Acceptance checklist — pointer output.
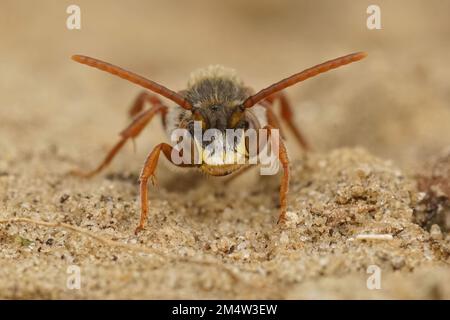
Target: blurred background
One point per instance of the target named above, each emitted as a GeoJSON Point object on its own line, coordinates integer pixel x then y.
{"type": "Point", "coordinates": [56, 115]}
{"type": "Point", "coordinates": [394, 103]}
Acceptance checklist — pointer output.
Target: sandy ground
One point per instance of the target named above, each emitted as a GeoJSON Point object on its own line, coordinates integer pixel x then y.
{"type": "Point", "coordinates": [380, 166]}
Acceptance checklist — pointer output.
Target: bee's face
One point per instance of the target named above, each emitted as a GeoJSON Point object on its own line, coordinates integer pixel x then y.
{"type": "Point", "coordinates": [222, 140]}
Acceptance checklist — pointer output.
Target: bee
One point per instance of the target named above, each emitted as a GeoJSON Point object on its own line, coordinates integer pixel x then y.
{"type": "Point", "coordinates": [217, 99]}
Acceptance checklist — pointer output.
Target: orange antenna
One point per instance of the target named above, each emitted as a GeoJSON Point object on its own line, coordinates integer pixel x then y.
{"type": "Point", "coordinates": [301, 76]}
{"type": "Point", "coordinates": [130, 76]}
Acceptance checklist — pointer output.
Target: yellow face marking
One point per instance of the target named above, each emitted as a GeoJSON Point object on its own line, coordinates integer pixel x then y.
{"type": "Point", "coordinates": [235, 118]}
{"type": "Point", "coordinates": [221, 157]}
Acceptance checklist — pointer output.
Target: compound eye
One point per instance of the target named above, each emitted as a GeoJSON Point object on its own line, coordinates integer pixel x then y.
{"type": "Point", "coordinates": [235, 119]}
{"type": "Point", "coordinates": [197, 116]}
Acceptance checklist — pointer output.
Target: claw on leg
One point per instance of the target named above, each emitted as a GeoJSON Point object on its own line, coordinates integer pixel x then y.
{"type": "Point", "coordinates": [281, 218]}
{"type": "Point", "coordinates": [138, 229]}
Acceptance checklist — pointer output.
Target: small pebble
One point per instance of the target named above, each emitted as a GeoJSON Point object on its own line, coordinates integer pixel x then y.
{"type": "Point", "coordinates": [64, 198]}
{"type": "Point", "coordinates": [435, 232]}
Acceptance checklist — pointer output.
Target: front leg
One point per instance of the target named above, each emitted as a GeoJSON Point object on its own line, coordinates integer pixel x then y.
{"type": "Point", "coordinates": [284, 187]}
{"type": "Point", "coordinates": [148, 172]}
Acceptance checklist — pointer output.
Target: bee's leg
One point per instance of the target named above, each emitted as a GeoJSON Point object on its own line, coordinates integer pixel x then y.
{"type": "Point", "coordinates": [272, 118]}
{"type": "Point", "coordinates": [287, 115]}
{"type": "Point", "coordinates": [138, 104]}
{"type": "Point", "coordinates": [132, 131]}
{"type": "Point", "coordinates": [148, 172]}
{"type": "Point", "coordinates": [284, 187]}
